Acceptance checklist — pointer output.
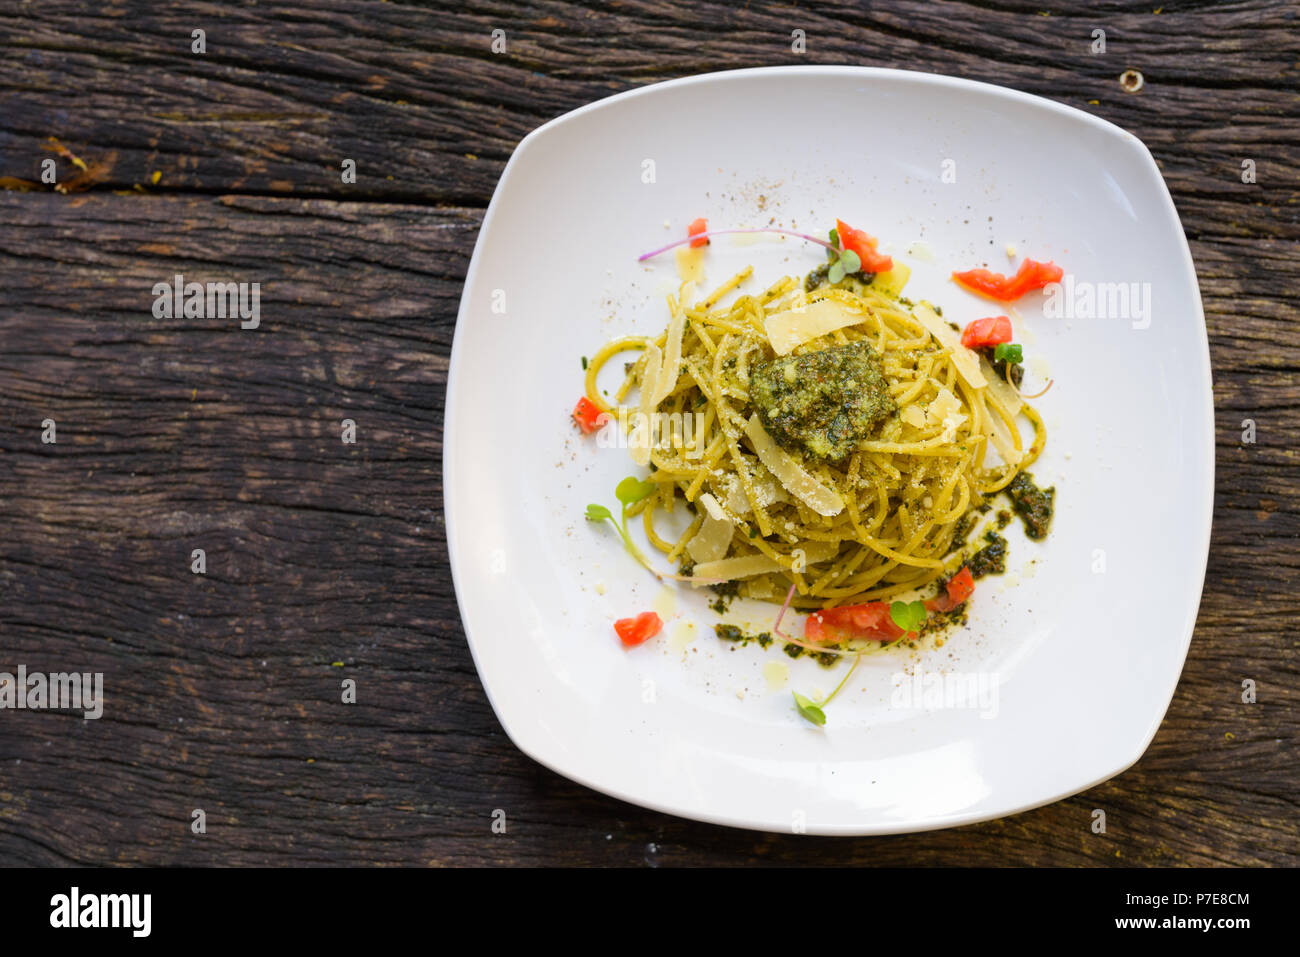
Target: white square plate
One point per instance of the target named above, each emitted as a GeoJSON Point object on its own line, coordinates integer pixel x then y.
{"type": "Point", "coordinates": [1085, 652]}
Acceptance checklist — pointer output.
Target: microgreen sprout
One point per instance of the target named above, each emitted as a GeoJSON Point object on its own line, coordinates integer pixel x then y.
{"type": "Point", "coordinates": [628, 492]}
{"type": "Point", "coordinates": [1009, 352]}
{"type": "Point", "coordinates": [809, 710]}
{"type": "Point", "coordinates": [813, 711]}
{"type": "Point", "coordinates": [631, 490]}
{"type": "Point", "coordinates": [846, 262]}
{"type": "Point", "coordinates": [908, 615]}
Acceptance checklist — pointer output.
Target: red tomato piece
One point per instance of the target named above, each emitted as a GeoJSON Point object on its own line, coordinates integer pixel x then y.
{"type": "Point", "coordinates": [981, 333]}
{"type": "Point", "coordinates": [865, 246]}
{"type": "Point", "coordinates": [1031, 275]}
{"type": "Point", "coordinates": [958, 589]}
{"type": "Point", "coordinates": [588, 416]}
{"type": "Point", "coordinates": [633, 631]}
{"type": "Point", "coordinates": [870, 622]}
{"type": "Point", "coordinates": [697, 227]}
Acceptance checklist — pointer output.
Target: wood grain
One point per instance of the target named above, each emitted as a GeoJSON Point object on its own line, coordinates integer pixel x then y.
{"type": "Point", "coordinates": [177, 434]}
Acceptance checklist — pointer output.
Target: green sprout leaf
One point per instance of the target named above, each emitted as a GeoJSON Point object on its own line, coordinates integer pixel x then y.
{"type": "Point", "coordinates": [834, 236]}
{"type": "Point", "coordinates": [1009, 352]}
{"type": "Point", "coordinates": [810, 711]}
{"type": "Point", "coordinates": [850, 261]}
{"type": "Point", "coordinates": [908, 615]}
{"type": "Point", "coordinates": [836, 272]}
{"type": "Point", "coordinates": [631, 490]}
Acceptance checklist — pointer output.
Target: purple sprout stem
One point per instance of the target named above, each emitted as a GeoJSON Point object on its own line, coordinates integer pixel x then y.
{"type": "Point", "coordinates": [723, 232]}
{"type": "Point", "coordinates": [776, 625]}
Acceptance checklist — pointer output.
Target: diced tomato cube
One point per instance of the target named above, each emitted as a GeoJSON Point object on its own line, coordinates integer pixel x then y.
{"type": "Point", "coordinates": [633, 631]}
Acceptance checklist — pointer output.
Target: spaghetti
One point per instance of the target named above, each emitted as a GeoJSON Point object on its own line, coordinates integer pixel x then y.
{"type": "Point", "coordinates": [844, 521]}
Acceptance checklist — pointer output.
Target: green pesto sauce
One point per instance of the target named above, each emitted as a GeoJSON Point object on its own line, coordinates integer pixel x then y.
{"type": "Point", "coordinates": [822, 403]}
{"type": "Point", "coordinates": [738, 637]}
{"type": "Point", "coordinates": [855, 282]}
{"type": "Point", "coordinates": [726, 592]}
{"type": "Point", "coordinates": [938, 622]}
{"type": "Point", "coordinates": [1032, 504]}
{"type": "Point", "coordinates": [991, 559]}
{"type": "Point", "coordinates": [959, 533]}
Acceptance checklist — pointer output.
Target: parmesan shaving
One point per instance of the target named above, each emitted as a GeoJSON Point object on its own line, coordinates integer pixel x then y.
{"type": "Point", "coordinates": [967, 362]}
{"type": "Point", "coordinates": [950, 426]}
{"type": "Point", "coordinates": [945, 410]}
{"type": "Point", "coordinates": [945, 404]}
{"type": "Point", "coordinates": [714, 537]}
{"type": "Point", "coordinates": [671, 363]}
{"type": "Point", "coordinates": [712, 507]}
{"type": "Point", "coordinates": [638, 442]}
{"type": "Point", "coordinates": [712, 540]}
{"type": "Point", "coordinates": [999, 391]}
{"type": "Point", "coordinates": [822, 500]}
{"type": "Point", "coordinates": [653, 360]}
{"type": "Point", "coordinates": [747, 566]}
{"type": "Point", "coordinates": [996, 430]}
{"type": "Point", "coordinates": [766, 490]}
{"type": "Point", "coordinates": [794, 327]}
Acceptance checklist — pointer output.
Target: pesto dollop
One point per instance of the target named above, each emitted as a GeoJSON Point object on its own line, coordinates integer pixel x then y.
{"type": "Point", "coordinates": [822, 403]}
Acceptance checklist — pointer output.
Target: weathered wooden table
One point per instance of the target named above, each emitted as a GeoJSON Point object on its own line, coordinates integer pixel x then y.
{"type": "Point", "coordinates": [327, 561]}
